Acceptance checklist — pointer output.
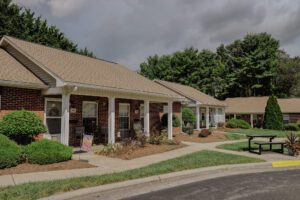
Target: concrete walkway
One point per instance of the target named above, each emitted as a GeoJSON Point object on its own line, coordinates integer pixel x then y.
{"type": "Point", "coordinates": [109, 165]}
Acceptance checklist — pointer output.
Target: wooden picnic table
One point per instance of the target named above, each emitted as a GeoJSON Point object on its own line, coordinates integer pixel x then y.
{"type": "Point", "coordinates": [271, 137]}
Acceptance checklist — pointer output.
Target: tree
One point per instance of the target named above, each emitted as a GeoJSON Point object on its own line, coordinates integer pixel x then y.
{"type": "Point", "coordinates": [273, 118]}
{"type": "Point", "coordinates": [188, 116]}
{"type": "Point", "coordinates": [175, 120]}
{"type": "Point", "coordinates": [19, 22]}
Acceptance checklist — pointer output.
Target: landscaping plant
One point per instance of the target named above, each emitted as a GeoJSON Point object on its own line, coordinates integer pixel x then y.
{"type": "Point", "coordinates": [21, 126]}
{"type": "Point", "coordinates": [9, 152]}
{"type": "Point", "coordinates": [204, 133]}
{"type": "Point", "coordinates": [142, 140]}
{"type": "Point", "coordinates": [238, 123]}
{"type": "Point", "coordinates": [273, 118]}
{"type": "Point", "coordinates": [221, 124]}
{"type": "Point", "coordinates": [48, 152]}
{"type": "Point", "coordinates": [188, 129]}
{"type": "Point", "coordinates": [291, 127]}
{"type": "Point", "coordinates": [175, 121]}
{"type": "Point", "coordinates": [188, 116]}
{"type": "Point", "coordinates": [293, 143]}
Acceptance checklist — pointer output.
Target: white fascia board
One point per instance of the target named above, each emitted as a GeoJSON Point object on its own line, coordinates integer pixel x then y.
{"type": "Point", "coordinates": [22, 84]}
{"type": "Point", "coordinates": [59, 81]}
{"type": "Point", "coordinates": [88, 86]}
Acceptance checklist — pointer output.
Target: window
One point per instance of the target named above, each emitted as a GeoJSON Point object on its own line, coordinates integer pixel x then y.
{"type": "Point", "coordinates": [165, 109]}
{"type": "Point", "coordinates": [53, 116]}
{"type": "Point", "coordinates": [89, 115]}
{"type": "Point", "coordinates": [220, 111]}
{"type": "Point", "coordinates": [286, 119]}
{"type": "Point", "coordinates": [142, 115]}
{"type": "Point", "coordinates": [124, 118]}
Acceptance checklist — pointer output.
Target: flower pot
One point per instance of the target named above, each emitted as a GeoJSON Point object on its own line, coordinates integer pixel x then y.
{"type": "Point", "coordinates": [291, 152]}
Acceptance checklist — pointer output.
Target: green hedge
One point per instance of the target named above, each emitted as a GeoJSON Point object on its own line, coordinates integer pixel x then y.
{"type": "Point", "coordinates": [188, 116]}
{"type": "Point", "coordinates": [291, 127]}
{"type": "Point", "coordinates": [238, 123]}
{"type": "Point", "coordinates": [48, 152]}
{"type": "Point", "coordinates": [9, 152]}
{"type": "Point", "coordinates": [164, 120]}
{"type": "Point", "coordinates": [21, 126]}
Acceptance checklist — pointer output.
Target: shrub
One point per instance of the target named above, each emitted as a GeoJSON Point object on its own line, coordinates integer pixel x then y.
{"type": "Point", "coordinates": [155, 139]}
{"type": "Point", "coordinates": [164, 120]}
{"type": "Point", "coordinates": [188, 116]}
{"type": "Point", "coordinates": [238, 123]}
{"type": "Point", "coordinates": [47, 152]}
{"type": "Point", "coordinates": [291, 127]}
{"type": "Point", "coordinates": [109, 148]}
{"type": "Point", "coordinates": [221, 124]}
{"type": "Point", "coordinates": [173, 142]}
{"type": "Point", "coordinates": [126, 142]}
{"type": "Point", "coordinates": [142, 140]}
{"type": "Point", "coordinates": [204, 133]}
{"type": "Point", "coordinates": [188, 129]}
{"type": "Point", "coordinates": [273, 116]}
{"type": "Point", "coordinates": [9, 152]}
{"type": "Point", "coordinates": [21, 126]}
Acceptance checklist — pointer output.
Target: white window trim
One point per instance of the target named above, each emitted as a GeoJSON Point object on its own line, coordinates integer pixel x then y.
{"type": "Point", "coordinates": [128, 116]}
{"type": "Point", "coordinates": [91, 102]}
{"type": "Point", "coordinates": [45, 112]}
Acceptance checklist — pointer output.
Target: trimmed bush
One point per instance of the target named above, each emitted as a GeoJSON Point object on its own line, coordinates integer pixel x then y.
{"type": "Point", "coordinates": [238, 123]}
{"type": "Point", "coordinates": [204, 133]}
{"type": "Point", "coordinates": [9, 152]}
{"type": "Point", "coordinates": [221, 124]}
{"type": "Point", "coordinates": [164, 120]}
{"type": "Point", "coordinates": [188, 116]}
{"type": "Point", "coordinates": [48, 152]}
{"type": "Point", "coordinates": [273, 118]}
{"type": "Point", "coordinates": [291, 127]}
{"type": "Point", "coordinates": [21, 126]}
{"type": "Point", "coordinates": [188, 129]}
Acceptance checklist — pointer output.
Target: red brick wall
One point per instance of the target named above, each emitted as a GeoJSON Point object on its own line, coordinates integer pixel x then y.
{"type": "Point", "coordinates": [295, 118]}
{"type": "Point", "coordinates": [17, 98]}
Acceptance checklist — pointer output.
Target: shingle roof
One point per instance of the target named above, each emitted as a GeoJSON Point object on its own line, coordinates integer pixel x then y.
{"type": "Point", "coordinates": [258, 104]}
{"type": "Point", "coordinates": [13, 71]}
{"type": "Point", "coordinates": [191, 93]}
{"type": "Point", "coordinates": [76, 68]}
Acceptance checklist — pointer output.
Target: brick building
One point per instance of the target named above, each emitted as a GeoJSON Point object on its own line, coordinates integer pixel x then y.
{"type": "Point", "coordinates": [69, 90]}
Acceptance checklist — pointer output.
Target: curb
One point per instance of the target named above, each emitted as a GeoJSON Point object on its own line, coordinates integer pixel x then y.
{"type": "Point", "coordinates": [165, 177]}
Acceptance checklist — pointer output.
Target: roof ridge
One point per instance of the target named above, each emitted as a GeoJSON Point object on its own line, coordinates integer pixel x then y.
{"type": "Point", "coordinates": [7, 36]}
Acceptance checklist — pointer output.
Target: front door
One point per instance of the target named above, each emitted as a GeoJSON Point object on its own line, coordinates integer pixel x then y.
{"type": "Point", "coordinates": [53, 119]}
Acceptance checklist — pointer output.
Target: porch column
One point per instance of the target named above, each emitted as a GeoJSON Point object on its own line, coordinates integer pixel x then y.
{"type": "Point", "coordinates": [111, 120]}
{"type": "Point", "coordinates": [147, 118]}
{"type": "Point", "coordinates": [234, 116]}
{"type": "Point", "coordinates": [251, 120]}
{"type": "Point", "coordinates": [207, 117]}
{"type": "Point", "coordinates": [65, 118]}
{"type": "Point", "coordinates": [223, 115]}
{"type": "Point", "coordinates": [197, 117]}
{"type": "Point", "coordinates": [181, 122]}
{"type": "Point", "coordinates": [170, 120]}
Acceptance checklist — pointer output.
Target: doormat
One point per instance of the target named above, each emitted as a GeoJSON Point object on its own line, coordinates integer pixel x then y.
{"type": "Point", "coordinates": [286, 163]}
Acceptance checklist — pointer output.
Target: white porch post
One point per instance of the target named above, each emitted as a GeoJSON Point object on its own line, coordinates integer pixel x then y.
{"type": "Point", "coordinates": [234, 116]}
{"type": "Point", "coordinates": [197, 117]}
{"type": "Point", "coordinates": [207, 117]}
{"type": "Point", "coordinates": [223, 115]}
{"type": "Point", "coordinates": [111, 120]}
{"type": "Point", "coordinates": [65, 118]}
{"type": "Point", "coordinates": [181, 122]}
{"type": "Point", "coordinates": [170, 120]}
{"type": "Point", "coordinates": [251, 120]}
{"type": "Point", "coordinates": [147, 118]}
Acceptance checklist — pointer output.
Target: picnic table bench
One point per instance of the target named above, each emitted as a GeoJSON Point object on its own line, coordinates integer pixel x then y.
{"type": "Point", "coordinates": [270, 143]}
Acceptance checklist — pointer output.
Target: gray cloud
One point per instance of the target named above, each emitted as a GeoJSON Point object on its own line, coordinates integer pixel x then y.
{"type": "Point", "coordinates": [128, 31]}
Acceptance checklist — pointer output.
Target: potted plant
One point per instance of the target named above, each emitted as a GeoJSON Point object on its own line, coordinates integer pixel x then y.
{"type": "Point", "coordinates": [292, 144]}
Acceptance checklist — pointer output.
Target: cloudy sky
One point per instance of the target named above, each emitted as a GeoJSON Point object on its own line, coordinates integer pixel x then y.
{"type": "Point", "coordinates": [128, 31]}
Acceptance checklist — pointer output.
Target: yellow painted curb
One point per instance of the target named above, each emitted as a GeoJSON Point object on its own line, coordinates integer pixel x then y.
{"type": "Point", "coordinates": [286, 163]}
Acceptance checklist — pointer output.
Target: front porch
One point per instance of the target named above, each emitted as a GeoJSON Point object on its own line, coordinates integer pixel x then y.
{"type": "Point", "coordinates": [108, 118]}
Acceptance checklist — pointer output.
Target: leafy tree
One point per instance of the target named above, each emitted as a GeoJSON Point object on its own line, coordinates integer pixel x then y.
{"type": "Point", "coordinates": [175, 120]}
{"type": "Point", "coordinates": [19, 22]}
{"type": "Point", "coordinates": [188, 116]}
{"type": "Point", "coordinates": [273, 118]}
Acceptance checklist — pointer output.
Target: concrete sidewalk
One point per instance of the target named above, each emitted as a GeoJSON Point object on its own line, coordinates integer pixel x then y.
{"type": "Point", "coordinates": [110, 165]}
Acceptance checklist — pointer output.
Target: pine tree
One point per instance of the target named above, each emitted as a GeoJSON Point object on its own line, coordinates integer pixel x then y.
{"type": "Point", "coordinates": [273, 118]}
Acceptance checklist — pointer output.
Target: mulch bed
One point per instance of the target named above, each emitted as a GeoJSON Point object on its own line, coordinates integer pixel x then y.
{"type": "Point", "coordinates": [27, 168]}
{"type": "Point", "coordinates": [136, 151]}
{"type": "Point", "coordinates": [216, 136]}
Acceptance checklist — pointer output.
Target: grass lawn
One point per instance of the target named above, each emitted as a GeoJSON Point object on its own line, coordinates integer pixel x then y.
{"type": "Point", "coordinates": [255, 131]}
{"type": "Point", "coordinates": [234, 136]}
{"type": "Point", "coordinates": [190, 161]}
{"type": "Point", "coordinates": [243, 146]}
